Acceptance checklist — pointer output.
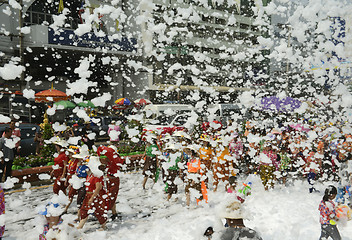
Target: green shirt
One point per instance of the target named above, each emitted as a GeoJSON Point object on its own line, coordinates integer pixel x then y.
{"type": "Point", "coordinates": [150, 149]}
{"type": "Point", "coordinates": [175, 167]}
{"type": "Point", "coordinates": [285, 161]}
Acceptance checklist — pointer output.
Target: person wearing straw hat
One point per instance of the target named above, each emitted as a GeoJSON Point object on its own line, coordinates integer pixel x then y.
{"type": "Point", "coordinates": [206, 155]}
{"type": "Point", "coordinates": [112, 160]}
{"type": "Point", "coordinates": [193, 175]}
{"type": "Point", "coordinates": [150, 158]}
{"type": "Point", "coordinates": [173, 157]}
{"type": "Point", "coordinates": [60, 167]}
{"type": "Point", "coordinates": [77, 160]}
{"type": "Point", "coordinates": [52, 213]}
{"type": "Point", "coordinates": [236, 229]}
{"type": "Point", "coordinates": [221, 165]}
{"type": "Point", "coordinates": [94, 200]}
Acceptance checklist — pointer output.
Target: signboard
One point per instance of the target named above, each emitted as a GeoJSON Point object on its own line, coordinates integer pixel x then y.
{"type": "Point", "coordinates": [90, 40]}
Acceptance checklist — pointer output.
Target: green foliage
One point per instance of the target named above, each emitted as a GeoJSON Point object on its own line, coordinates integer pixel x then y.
{"type": "Point", "coordinates": [48, 149]}
{"type": "Point", "coordinates": [31, 161]}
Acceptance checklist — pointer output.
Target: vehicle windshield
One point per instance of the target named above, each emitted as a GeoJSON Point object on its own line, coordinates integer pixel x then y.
{"type": "Point", "coordinates": [164, 119]}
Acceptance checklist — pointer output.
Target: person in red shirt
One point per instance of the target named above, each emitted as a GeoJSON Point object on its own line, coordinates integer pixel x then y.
{"type": "Point", "coordinates": [60, 168]}
{"type": "Point", "coordinates": [113, 162]}
{"type": "Point", "coordinates": [75, 161]}
{"type": "Point", "coordinates": [95, 197]}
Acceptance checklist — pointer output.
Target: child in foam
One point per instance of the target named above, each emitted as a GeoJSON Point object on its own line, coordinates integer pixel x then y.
{"type": "Point", "coordinates": [112, 160]}
{"type": "Point", "coordinates": [328, 216]}
{"type": "Point", "coordinates": [60, 167]}
{"type": "Point", "coordinates": [193, 174]}
{"type": "Point", "coordinates": [95, 199]}
{"type": "Point", "coordinates": [52, 213]}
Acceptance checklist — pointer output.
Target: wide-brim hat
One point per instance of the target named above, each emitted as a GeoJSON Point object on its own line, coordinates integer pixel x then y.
{"type": "Point", "coordinates": [167, 136]}
{"type": "Point", "coordinates": [52, 210]}
{"type": "Point", "coordinates": [205, 138]}
{"type": "Point", "coordinates": [190, 147]}
{"type": "Point", "coordinates": [61, 143]}
{"type": "Point", "coordinates": [233, 211]}
{"type": "Point", "coordinates": [170, 147]}
{"type": "Point", "coordinates": [70, 150]}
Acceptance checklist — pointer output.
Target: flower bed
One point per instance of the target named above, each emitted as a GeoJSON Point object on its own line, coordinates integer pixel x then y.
{"type": "Point", "coordinates": [31, 161]}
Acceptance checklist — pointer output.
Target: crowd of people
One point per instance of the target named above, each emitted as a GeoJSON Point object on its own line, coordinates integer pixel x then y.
{"type": "Point", "coordinates": [91, 177]}
{"type": "Point", "coordinates": [223, 156]}
{"type": "Point", "coordinates": [275, 154]}
{"type": "Point", "coordinates": [210, 158]}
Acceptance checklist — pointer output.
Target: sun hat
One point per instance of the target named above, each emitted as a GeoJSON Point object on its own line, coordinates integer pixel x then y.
{"type": "Point", "coordinates": [61, 143]}
{"type": "Point", "coordinates": [52, 210]}
{"type": "Point", "coordinates": [190, 147]}
{"type": "Point", "coordinates": [170, 146]}
{"type": "Point", "coordinates": [205, 138]}
{"type": "Point", "coordinates": [233, 211]}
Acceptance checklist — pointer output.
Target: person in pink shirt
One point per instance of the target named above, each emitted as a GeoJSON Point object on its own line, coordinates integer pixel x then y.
{"type": "Point", "coordinates": [16, 135]}
{"type": "Point", "coordinates": [114, 133]}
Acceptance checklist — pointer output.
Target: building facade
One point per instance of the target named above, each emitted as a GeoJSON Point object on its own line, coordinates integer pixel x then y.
{"type": "Point", "coordinates": [164, 50]}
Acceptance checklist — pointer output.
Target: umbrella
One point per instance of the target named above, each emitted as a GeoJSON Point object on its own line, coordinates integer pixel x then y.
{"type": "Point", "coordinates": [86, 104]}
{"type": "Point", "coordinates": [280, 104]}
{"type": "Point", "coordinates": [56, 96]}
{"type": "Point", "coordinates": [123, 101]}
{"type": "Point", "coordinates": [65, 104]}
{"type": "Point", "coordinates": [142, 102]}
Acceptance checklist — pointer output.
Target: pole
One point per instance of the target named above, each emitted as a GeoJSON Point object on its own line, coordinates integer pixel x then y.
{"type": "Point", "coordinates": [21, 52]}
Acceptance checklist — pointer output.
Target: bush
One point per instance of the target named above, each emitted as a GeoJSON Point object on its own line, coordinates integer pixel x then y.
{"type": "Point", "coordinates": [31, 161]}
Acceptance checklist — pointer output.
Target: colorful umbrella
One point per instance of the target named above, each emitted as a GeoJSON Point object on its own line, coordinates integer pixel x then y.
{"type": "Point", "coordinates": [142, 102]}
{"type": "Point", "coordinates": [86, 104]}
{"type": "Point", "coordinates": [123, 101]}
{"type": "Point", "coordinates": [50, 95]}
{"type": "Point", "coordinates": [65, 104]}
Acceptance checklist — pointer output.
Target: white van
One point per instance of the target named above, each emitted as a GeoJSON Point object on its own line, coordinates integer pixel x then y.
{"type": "Point", "coordinates": [224, 112]}
{"type": "Point", "coordinates": [161, 116]}
{"type": "Point", "coordinates": [155, 111]}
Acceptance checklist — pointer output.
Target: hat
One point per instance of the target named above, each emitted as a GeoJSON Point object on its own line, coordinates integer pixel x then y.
{"type": "Point", "coordinates": [205, 137]}
{"type": "Point", "coordinates": [233, 211]}
{"type": "Point", "coordinates": [70, 150]}
{"type": "Point", "coordinates": [190, 147]}
{"type": "Point", "coordinates": [167, 136]}
{"type": "Point", "coordinates": [61, 143]}
{"type": "Point", "coordinates": [170, 146]}
{"type": "Point", "coordinates": [75, 125]}
{"type": "Point", "coordinates": [81, 171]}
{"type": "Point", "coordinates": [52, 210]}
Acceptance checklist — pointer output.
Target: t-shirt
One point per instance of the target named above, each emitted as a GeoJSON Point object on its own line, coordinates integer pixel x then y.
{"type": "Point", "coordinates": [150, 149]}
{"type": "Point", "coordinates": [175, 166]}
{"type": "Point", "coordinates": [327, 211]}
{"type": "Point", "coordinates": [59, 160]}
{"type": "Point", "coordinates": [91, 182]}
{"type": "Point", "coordinates": [59, 164]}
{"type": "Point", "coordinates": [8, 154]}
{"type": "Point", "coordinates": [72, 166]}
{"type": "Point", "coordinates": [232, 233]}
